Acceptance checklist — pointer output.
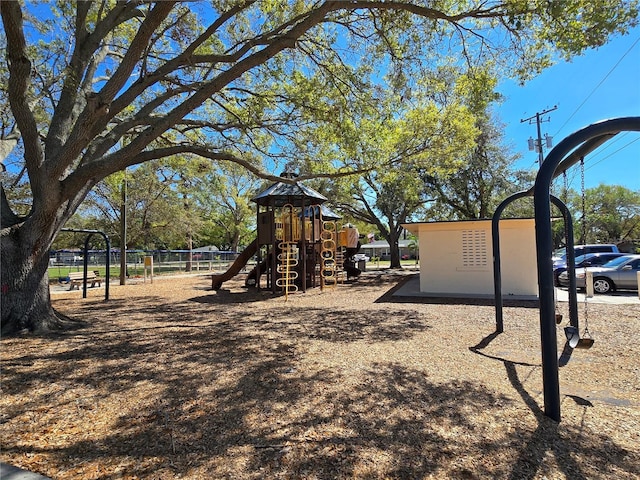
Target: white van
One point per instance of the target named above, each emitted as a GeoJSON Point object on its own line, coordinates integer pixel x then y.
{"type": "Point", "coordinates": [560, 255]}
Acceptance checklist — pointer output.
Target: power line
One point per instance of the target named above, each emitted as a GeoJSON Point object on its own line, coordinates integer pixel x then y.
{"type": "Point", "coordinates": [613, 153]}
{"type": "Point", "coordinates": [572, 173]}
{"type": "Point", "coordinates": [597, 86]}
{"type": "Point", "coordinates": [610, 143]}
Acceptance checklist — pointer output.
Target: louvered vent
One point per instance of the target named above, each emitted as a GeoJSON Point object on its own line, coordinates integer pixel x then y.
{"type": "Point", "coordinates": [474, 249]}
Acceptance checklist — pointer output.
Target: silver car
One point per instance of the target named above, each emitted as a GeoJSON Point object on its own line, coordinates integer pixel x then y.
{"type": "Point", "coordinates": [619, 274]}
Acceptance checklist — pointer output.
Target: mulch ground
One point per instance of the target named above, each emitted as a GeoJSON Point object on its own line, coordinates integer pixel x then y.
{"type": "Point", "coordinates": [172, 380]}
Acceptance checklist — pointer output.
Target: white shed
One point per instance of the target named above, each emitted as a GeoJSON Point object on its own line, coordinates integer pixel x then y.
{"type": "Point", "coordinates": [456, 258]}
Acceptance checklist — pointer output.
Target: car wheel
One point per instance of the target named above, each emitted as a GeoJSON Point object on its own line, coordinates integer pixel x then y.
{"type": "Point", "coordinates": [602, 285]}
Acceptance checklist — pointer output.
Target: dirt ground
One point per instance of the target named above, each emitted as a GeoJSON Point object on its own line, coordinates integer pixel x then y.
{"type": "Point", "coordinates": [172, 380]}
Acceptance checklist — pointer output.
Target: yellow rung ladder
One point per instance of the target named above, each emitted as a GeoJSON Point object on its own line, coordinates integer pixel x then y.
{"type": "Point", "coordinates": [328, 267]}
{"type": "Point", "coordinates": [286, 268]}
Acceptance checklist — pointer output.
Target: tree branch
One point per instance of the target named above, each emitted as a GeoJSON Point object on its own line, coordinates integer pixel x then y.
{"type": "Point", "coordinates": [70, 104]}
{"type": "Point", "coordinates": [19, 74]}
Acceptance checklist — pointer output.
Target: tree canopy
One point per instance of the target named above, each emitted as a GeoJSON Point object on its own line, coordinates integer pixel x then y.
{"type": "Point", "coordinates": [95, 87]}
{"type": "Point", "coordinates": [606, 213]}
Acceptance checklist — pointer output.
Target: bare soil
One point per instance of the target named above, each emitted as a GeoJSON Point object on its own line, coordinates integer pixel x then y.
{"type": "Point", "coordinates": [172, 380]}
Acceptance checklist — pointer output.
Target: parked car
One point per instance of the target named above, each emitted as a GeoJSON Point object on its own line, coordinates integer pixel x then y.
{"type": "Point", "coordinates": [560, 256]}
{"type": "Point", "coordinates": [587, 260]}
{"type": "Point", "coordinates": [618, 274]}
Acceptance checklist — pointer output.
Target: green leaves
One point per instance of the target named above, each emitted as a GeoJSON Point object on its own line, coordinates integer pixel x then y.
{"type": "Point", "coordinates": [612, 214]}
{"type": "Point", "coordinates": [333, 86]}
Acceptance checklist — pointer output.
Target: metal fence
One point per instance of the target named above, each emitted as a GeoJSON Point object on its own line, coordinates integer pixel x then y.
{"type": "Point", "coordinates": [164, 261]}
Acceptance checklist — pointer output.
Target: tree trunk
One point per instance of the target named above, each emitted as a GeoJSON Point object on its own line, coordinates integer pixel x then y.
{"type": "Point", "coordinates": [395, 253]}
{"type": "Point", "coordinates": [26, 303]}
{"type": "Point", "coordinates": [392, 236]}
{"type": "Point", "coordinates": [235, 241]}
{"type": "Point", "coordinates": [189, 265]}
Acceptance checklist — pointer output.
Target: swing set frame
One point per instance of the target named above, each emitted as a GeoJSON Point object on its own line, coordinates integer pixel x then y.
{"type": "Point", "coordinates": [562, 157]}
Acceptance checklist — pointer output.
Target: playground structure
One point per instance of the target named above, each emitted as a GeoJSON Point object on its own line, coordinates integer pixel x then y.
{"type": "Point", "coordinates": [298, 244]}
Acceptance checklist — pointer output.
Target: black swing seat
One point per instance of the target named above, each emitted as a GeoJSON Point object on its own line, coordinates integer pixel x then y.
{"type": "Point", "coordinates": [585, 343]}
{"type": "Point", "coordinates": [573, 338]}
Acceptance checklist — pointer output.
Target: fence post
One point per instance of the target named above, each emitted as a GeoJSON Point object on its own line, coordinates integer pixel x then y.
{"type": "Point", "coordinates": [148, 263]}
{"type": "Point", "coordinates": [588, 279]}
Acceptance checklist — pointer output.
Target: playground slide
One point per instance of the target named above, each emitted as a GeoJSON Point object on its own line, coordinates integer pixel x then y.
{"type": "Point", "coordinates": [236, 266]}
{"type": "Point", "coordinates": [253, 275]}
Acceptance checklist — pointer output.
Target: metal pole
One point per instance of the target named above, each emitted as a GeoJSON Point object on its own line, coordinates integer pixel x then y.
{"type": "Point", "coordinates": [123, 232]}
{"type": "Point", "coordinates": [495, 243]}
{"type": "Point", "coordinates": [85, 265]}
{"type": "Point", "coordinates": [540, 154]}
{"type": "Point", "coordinates": [107, 276]}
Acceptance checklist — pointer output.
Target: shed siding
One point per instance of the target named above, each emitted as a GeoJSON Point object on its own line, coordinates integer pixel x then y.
{"type": "Point", "coordinates": [456, 258]}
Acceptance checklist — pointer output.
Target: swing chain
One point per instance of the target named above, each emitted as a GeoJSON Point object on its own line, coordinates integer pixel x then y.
{"type": "Point", "coordinates": [584, 203]}
{"type": "Point", "coordinates": [584, 240]}
{"type": "Point", "coordinates": [565, 194]}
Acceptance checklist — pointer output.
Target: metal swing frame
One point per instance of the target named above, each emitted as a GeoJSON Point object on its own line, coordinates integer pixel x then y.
{"type": "Point", "coordinates": [85, 258]}
{"type": "Point", "coordinates": [572, 331]}
{"type": "Point", "coordinates": [566, 154]}
{"type": "Point", "coordinates": [497, 269]}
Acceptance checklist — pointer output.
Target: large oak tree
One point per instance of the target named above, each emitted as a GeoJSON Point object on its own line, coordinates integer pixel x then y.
{"type": "Point", "coordinates": [109, 84]}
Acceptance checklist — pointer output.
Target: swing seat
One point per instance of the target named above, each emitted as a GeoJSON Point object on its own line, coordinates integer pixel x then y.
{"type": "Point", "coordinates": [573, 336]}
{"type": "Point", "coordinates": [585, 343]}
{"type": "Point", "coordinates": [574, 340]}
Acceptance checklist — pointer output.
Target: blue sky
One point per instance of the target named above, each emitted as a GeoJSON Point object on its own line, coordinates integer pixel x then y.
{"type": "Point", "coordinates": [601, 84]}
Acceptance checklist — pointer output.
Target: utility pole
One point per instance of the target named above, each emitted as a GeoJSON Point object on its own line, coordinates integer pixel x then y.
{"type": "Point", "coordinates": [537, 144]}
{"type": "Point", "coordinates": [123, 231]}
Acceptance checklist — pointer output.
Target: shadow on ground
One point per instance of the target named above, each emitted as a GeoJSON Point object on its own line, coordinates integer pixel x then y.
{"type": "Point", "coordinates": [227, 396]}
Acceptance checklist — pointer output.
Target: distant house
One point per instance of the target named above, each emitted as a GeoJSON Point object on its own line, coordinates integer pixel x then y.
{"type": "Point", "coordinates": [381, 249]}
{"type": "Point", "coordinates": [456, 258]}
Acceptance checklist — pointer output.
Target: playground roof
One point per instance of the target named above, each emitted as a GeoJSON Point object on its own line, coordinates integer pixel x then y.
{"type": "Point", "coordinates": [296, 194]}
{"type": "Point", "coordinates": [327, 213]}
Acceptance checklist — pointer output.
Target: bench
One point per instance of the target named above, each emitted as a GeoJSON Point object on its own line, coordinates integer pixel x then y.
{"type": "Point", "coordinates": [76, 279]}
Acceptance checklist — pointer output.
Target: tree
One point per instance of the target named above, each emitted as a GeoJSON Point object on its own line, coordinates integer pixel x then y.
{"type": "Point", "coordinates": [486, 175]}
{"type": "Point", "coordinates": [611, 214]}
{"type": "Point", "coordinates": [486, 178]}
{"type": "Point", "coordinates": [155, 211]}
{"type": "Point", "coordinates": [425, 139]}
{"type": "Point", "coordinates": [448, 154]}
{"type": "Point", "coordinates": [224, 199]}
{"type": "Point", "coordinates": [117, 84]}
{"type": "Point", "coordinates": [167, 199]}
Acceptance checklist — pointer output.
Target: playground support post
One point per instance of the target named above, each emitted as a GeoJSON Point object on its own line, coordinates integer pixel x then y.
{"type": "Point", "coordinates": [589, 138]}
